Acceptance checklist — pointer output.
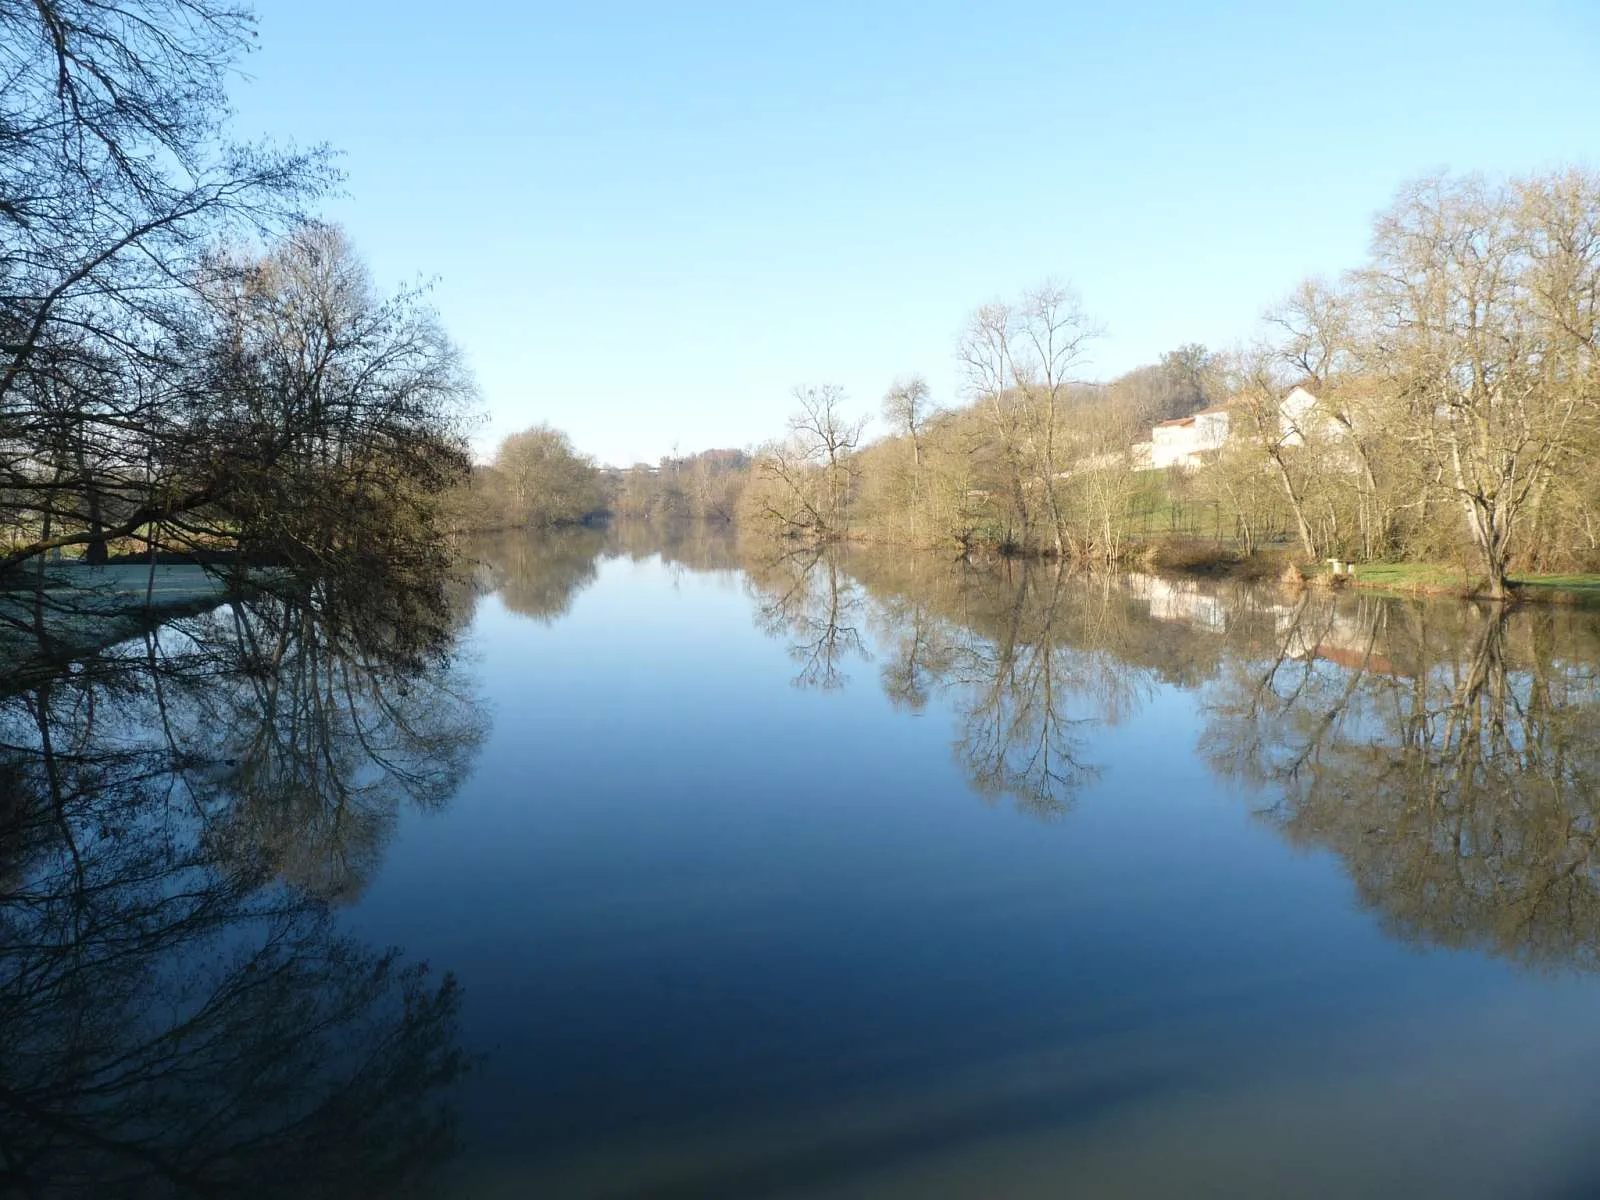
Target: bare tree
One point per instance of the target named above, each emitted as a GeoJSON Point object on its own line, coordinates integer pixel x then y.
{"type": "Point", "coordinates": [115, 179]}
{"type": "Point", "coordinates": [828, 437]}
{"type": "Point", "coordinates": [1258, 393]}
{"type": "Point", "coordinates": [1019, 362]}
{"type": "Point", "coordinates": [907, 407]}
{"type": "Point", "coordinates": [809, 477]}
{"type": "Point", "coordinates": [1485, 304]}
{"type": "Point", "coordinates": [1325, 343]}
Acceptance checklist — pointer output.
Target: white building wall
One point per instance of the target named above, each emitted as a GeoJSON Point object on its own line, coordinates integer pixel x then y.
{"type": "Point", "coordinates": [1295, 415]}
{"type": "Point", "coordinates": [1181, 444]}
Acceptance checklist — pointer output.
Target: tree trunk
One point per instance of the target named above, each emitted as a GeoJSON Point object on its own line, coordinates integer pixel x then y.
{"type": "Point", "coordinates": [1307, 541]}
{"type": "Point", "coordinates": [1493, 542]}
{"type": "Point", "coordinates": [96, 552]}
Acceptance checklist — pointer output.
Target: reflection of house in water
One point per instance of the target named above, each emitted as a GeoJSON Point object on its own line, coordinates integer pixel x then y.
{"type": "Point", "coordinates": [1350, 639]}
{"type": "Point", "coordinates": [1180, 600]}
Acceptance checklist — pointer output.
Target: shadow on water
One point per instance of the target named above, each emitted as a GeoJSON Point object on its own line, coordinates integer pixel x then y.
{"type": "Point", "coordinates": [181, 816]}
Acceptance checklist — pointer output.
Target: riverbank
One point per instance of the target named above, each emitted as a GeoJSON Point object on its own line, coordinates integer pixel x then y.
{"type": "Point", "coordinates": [1208, 560]}
{"type": "Point", "coordinates": [80, 610]}
{"type": "Point", "coordinates": [1435, 579]}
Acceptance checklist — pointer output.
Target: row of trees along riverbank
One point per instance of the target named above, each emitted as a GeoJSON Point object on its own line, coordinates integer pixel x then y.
{"type": "Point", "coordinates": [537, 480]}
{"type": "Point", "coordinates": [189, 361]}
{"type": "Point", "coordinates": [1457, 418]}
{"type": "Point", "coordinates": [1456, 383]}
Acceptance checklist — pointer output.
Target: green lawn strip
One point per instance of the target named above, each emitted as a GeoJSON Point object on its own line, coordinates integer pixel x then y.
{"type": "Point", "coordinates": [1574, 583]}
{"type": "Point", "coordinates": [1416, 577]}
{"type": "Point", "coordinates": [1454, 580]}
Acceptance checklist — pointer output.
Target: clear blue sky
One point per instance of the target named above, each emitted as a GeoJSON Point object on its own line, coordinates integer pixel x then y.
{"type": "Point", "coordinates": [649, 221]}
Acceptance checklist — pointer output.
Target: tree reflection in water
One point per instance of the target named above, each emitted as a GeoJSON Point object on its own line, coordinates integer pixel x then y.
{"type": "Point", "coordinates": [1450, 755]}
{"type": "Point", "coordinates": [1025, 656]}
{"type": "Point", "coordinates": [805, 598]}
{"type": "Point", "coordinates": [179, 817]}
{"type": "Point", "coordinates": [539, 574]}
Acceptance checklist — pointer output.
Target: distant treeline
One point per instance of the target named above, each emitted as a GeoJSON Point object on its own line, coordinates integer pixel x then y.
{"type": "Point", "coordinates": [536, 479]}
{"type": "Point", "coordinates": [1439, 402]}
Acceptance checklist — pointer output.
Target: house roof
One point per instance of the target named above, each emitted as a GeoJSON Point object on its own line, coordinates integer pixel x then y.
{"type": "Point", "coordinates": [1225, 407]}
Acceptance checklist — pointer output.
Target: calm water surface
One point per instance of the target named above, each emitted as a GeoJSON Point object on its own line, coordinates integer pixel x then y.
{"type": "Point", "coordinates": [713, 872]}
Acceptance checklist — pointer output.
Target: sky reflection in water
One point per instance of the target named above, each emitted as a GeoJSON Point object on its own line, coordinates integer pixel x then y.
{"type": "Point", "coordinates": [874, 875]}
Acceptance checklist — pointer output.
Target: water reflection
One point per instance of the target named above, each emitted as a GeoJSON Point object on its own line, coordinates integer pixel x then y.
{"type": "Point", "coordinates": [751, 934]}
{"type": "Point", "coordinates": [539, 576]}
{"type": "Point", "coordinates": [805, 598]}
{"type": "Point", "coordinates": [186, 817]}
{"type": "Point", "coordinates": [181, 815]}
{"type": "Point", "coordinates": [1449, 755]}
{"type": "Point", "coordinates": [1025, 655]}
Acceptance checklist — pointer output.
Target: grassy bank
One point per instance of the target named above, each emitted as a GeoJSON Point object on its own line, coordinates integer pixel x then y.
{"type": "Point", "coordinates": [1437, 579]}
{"type": "Point", "coordinates": [1209, 559]}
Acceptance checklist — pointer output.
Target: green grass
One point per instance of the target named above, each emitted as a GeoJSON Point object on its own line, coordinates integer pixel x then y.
{"type": "Point", "coordinates": [1585, 586]}
{"type": "Point", "coordinates": [1155, 512]}
{"type": "Point", "coordinates": [1415, 577]}
{"type": "Point", "coordinates": [1440, 577]}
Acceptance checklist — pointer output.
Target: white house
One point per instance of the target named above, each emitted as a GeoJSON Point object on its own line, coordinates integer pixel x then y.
{"type": "Point", "coordinates": [1182, 442]}
{"type": "Point", "coordinates": [1297, 413]}
{"type": "Point", "coordinates": [1339, 636]}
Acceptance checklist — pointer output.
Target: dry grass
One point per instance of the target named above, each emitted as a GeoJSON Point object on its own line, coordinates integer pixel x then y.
{"type": "Point", "coordinates": [1205, 557]}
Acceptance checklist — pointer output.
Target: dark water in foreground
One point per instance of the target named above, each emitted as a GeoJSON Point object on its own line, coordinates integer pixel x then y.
{"type": "Point", "coordinates": [710, 874]}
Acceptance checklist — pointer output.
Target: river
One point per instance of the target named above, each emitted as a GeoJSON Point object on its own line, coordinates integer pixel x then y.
{"type": "Point", "coordinates": [690, 868]}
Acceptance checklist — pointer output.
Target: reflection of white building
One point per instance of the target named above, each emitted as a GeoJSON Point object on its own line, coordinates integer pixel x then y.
{"type": "Point", "coordinates": [1180, 600]}
{"type": "Point", "coordinates": [1349, 639]}
{"type": "Point", "coordinates": [1181, 442]}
